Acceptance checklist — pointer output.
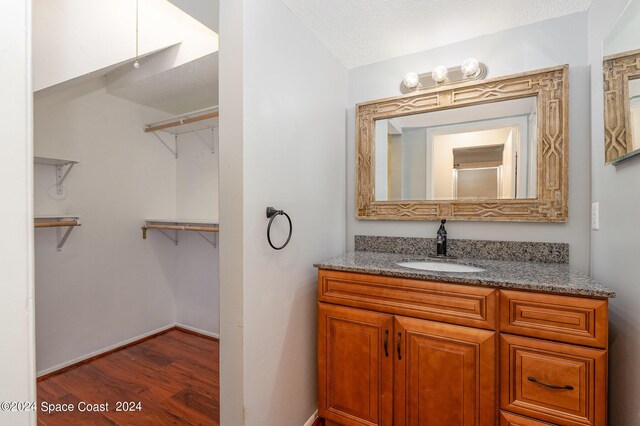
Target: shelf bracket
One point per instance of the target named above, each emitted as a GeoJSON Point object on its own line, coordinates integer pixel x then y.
{"type": "Point", "coordinates": [175, 143]}
{"type": "Point", "coordinates": [204, 142]}
{"type": "Point", "coordinates": [62, 238]}
{"type": "Point", "coordinates": [214, 243]}
{"type": "Point", "coordinates": [166, 234]}
{"type": "Point", "coordinates": [61, 175]}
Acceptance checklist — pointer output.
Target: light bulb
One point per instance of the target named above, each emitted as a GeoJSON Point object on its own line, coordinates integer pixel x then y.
{"type": "Point", "coordinates": [439, 73]}
{"type": "Point", "coordinates": [411, 80]}
{"type": "Point", "coordinates": [470, 67]}
{"type": "Point", "coordinates": [136, 65]}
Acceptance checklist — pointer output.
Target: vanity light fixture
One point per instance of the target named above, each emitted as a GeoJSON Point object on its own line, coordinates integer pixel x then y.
{"type": "Point", "coordinates": [411, 80]}
{"type": "Point", "coordinates": [470, 69]}
{"type": "Point", "coordinates": [439, 74]}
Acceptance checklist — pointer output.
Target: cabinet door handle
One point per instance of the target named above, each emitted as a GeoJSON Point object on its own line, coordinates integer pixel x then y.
{"type": "Point", "coordinates": [386, 341]}
{"type": "Point", "coordinates": [399, 346]}
{"type": "Point", "coordinates": [565, 387]}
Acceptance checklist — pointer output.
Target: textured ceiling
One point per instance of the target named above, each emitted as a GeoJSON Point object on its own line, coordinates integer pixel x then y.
{"type": "Point", "coordinates": [360, 32]}
{"type": "Point", "coordinates": [188, 87]}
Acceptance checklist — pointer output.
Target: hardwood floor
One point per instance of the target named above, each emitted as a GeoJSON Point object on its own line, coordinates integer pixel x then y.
{"type": "Point", "coordinates": [174, 376]}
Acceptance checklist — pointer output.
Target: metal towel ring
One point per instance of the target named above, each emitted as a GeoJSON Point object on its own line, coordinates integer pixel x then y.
{"type": "Point", "coordinates": [272, 213]}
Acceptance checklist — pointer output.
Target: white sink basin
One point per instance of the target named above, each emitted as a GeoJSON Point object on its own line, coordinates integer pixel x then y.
{"type": "Point", "coordinates": [440, 266]}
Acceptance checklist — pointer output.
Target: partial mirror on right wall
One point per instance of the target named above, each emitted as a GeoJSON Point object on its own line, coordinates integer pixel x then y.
{"type": "Point", "coordinates": [621, 68]}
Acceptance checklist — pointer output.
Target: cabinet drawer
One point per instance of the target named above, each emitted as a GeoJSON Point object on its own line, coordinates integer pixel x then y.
{"type": "Point", "coordinates": [554, 382]}
{"type": "Point", "coordinates": [568, 319]}
{"type": "Point", "coordinates": [508, 419]}
{"type": "Point", "coordinates": [445, 302]}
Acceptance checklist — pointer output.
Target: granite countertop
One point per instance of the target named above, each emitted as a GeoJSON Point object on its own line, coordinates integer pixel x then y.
{"type": "Point", "coordinates": [557, 278]}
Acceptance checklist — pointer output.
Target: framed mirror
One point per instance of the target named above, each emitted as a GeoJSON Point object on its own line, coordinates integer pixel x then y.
{"type": "Point", "coordinates": [621, 69]}
{"type": "Point", "coordinates": [492, 150]}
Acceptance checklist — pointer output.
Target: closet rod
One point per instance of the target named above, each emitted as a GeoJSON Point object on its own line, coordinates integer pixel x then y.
{"type": "Point", "coordinates": [182, 121]}
{"type": "Point", "coordinates": [56, 224]}
{"type": "Point", "coordinates": [184, 227]}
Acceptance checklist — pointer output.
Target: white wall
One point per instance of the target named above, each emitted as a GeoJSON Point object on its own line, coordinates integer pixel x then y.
{"type": "Point", "coordinates": [624, 37]}
{"type": "Point", "coordinates": [108, 284]}
{"type": "Point", "coordinates": [197, 175]}
{"type": "Point", "coordinates": [615, 247]}
{"type": "Point", "coordinates": [197, 283]}
{"type": "Point", "coordinates": [549, 43]}
{"type": "Point", "coordinates": [17, 360]}
{"type": "Point", "coordinates": [294, 96]}
{"type": "Point", "coordinates": [415, 167]}
{"type": "Point", "coordinates": [232, 212]}
{"type": "Point", "coordinates": [197, 280]}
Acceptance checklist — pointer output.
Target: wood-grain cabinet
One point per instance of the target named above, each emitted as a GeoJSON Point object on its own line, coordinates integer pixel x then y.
{"type": "Point", "coordinates": [397, 351]}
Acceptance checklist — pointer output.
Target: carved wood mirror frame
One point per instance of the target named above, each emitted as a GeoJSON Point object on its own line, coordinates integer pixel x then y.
{"type": "Point", "coordinates": [618, 70]}
{"type": "Point", "coordinates": [551, 88]}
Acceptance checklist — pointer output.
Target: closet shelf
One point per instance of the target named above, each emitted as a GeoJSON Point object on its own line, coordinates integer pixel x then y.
{"type": "Point", "coordinates": [195, 225]}
{"type": "Point", "coordinates": [53, 161]}
{"type": "Point", "coordinates": [197, 120]}
{"type": "Point", "coordinates": [193, 122]}
{"type": "Point", "coordinates": [58, 222]}
{"type": "Point", "coordinates": [59, 164]}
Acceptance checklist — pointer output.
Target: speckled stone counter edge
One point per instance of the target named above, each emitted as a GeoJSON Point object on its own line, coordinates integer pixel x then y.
{"type": "Point", "coordinates": [557, 278]}
{"type": "Point", "coordinates": [519, 251]}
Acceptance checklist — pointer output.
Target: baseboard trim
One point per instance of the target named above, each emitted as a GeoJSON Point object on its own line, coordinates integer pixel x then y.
{"type": "Point", "coordinates": [76, 362]}
{"type": "Point", "coordinates": [312, 419]}
{"type": "Point", "coordinates": [197, 331]}
{"type": "Point", "coordinates": [66, 366]}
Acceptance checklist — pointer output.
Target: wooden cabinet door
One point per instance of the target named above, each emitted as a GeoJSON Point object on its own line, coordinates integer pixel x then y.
{"type": "Point", "coordinates": [443, 374]}
{"type": "Point", "coordinates": [355, 371]}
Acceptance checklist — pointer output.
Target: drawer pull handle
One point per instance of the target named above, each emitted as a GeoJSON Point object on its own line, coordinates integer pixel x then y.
{"type": "Point", "coordinates": [386, 341]}
{"type": "Point", "coordinates": [565, 387]}
{"type": "Point", "coordinates": [399, 346]}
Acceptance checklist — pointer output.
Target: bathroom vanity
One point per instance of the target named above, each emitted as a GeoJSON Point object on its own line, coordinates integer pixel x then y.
{"type": "Point", "coordinates": [506, 333]}
{"type": "Point", "coordinates": [519, 343]}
